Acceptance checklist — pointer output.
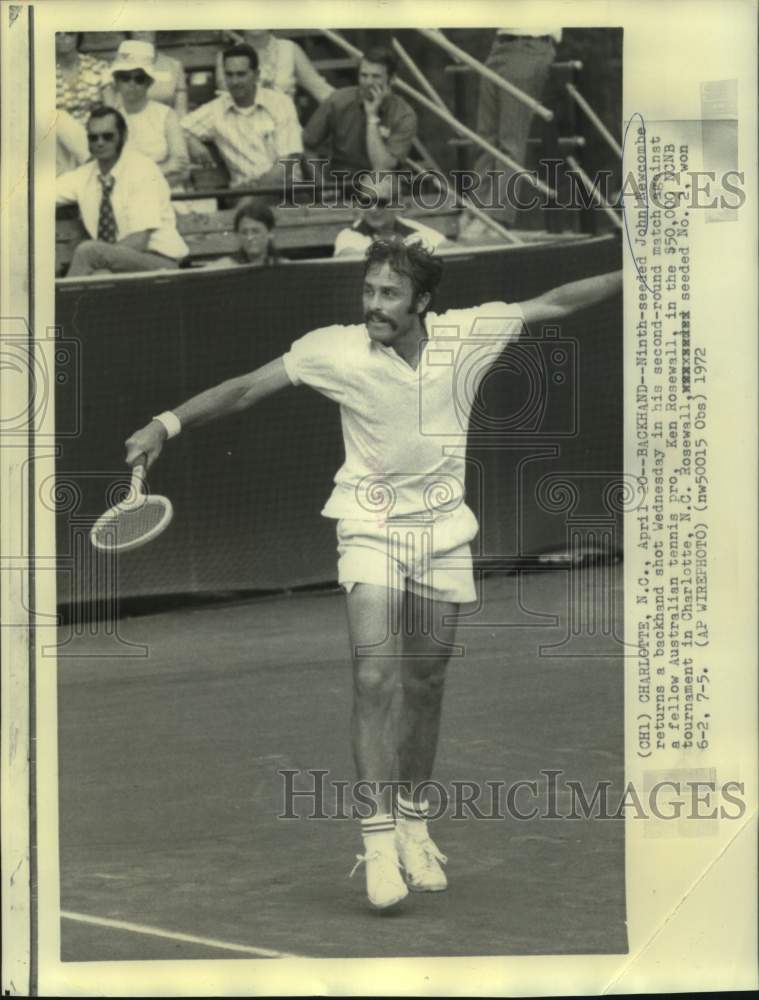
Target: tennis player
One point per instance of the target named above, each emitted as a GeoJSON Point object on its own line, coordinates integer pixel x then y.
{"type": "Point", "coordinates": [403, 528]}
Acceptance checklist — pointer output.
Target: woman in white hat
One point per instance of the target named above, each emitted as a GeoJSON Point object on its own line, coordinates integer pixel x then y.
{"type": "Point", "coordinates": [154, 128]}
{"type": "Point", "coordinates": [171, 89]}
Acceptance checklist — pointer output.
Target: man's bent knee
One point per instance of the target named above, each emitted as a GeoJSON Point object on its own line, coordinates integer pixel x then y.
{"type": "Point", "coordinates": [424, 682]}
{"type": "Point", "coordinates": [89, 252]}
{"type": "Point", "coordinates": [373, 680]}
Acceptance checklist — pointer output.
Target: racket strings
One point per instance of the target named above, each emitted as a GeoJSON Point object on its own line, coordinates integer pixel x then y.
{"type": "Point", "coordinates": [126, 526]}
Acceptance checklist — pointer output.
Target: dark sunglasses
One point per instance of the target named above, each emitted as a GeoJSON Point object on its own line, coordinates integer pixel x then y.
{"type": "Point", "coordinates": [124, 77]}
{"type": "Point", "coordinates": [104, 136]}
{"type": "Point", "coordinates": [383, 202]}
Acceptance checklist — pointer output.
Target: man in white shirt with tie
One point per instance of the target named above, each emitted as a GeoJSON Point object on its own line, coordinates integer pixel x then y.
{"type": "Point", "coordinates": [124, 202]}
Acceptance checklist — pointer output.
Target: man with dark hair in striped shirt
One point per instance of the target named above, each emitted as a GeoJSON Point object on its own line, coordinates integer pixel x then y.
{"type": "Point", "coordinates": [254, 129]}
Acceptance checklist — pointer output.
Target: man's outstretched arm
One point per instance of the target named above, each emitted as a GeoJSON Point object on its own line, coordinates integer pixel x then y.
{"type": "Point", "coordinates": [222, 400]}
{"type": "Point", "coordinates": [563, 300]}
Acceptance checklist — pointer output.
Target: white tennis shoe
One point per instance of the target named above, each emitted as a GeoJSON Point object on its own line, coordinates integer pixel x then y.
{"type": "Point", "coordinates": [420, 857]}
{"type": "Point", "coordinates": [384, 883]}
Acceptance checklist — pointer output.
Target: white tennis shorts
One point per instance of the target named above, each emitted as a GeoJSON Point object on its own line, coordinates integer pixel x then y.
{"type": "Point", "coordinates": [430, 556]}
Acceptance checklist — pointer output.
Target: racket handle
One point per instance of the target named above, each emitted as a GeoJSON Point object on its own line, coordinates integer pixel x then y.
{"type": "Point", "coordinates": [136, 487]}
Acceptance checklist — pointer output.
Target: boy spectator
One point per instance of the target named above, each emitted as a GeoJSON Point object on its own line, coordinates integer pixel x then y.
{"type": "Point", "coordinates": [380, 218]}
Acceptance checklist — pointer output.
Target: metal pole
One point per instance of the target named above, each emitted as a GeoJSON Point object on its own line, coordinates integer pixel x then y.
{"type": "Point", "coordinates": [447, 117]}
{"type": "Point", "coordinates": [589, 186]}
{"type": "Point", "coordinates": [478, 140]}
{"type": "Point", "coordinates": [416, 72]}
{"type": "Point", "coordinates": [469, 207]}
{"type": "Point", "coordinates": [439, 38]}
{"type": "Point", "coordinates": [344, 44]}
{"type": "Point", "coordinates": [595, 120]}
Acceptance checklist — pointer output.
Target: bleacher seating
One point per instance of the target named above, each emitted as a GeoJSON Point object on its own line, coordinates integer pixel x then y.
{"type": "Point", "coordinates": [303, 232]}
{"type": "Point", "coordinates": [197, 51]}
{"type": "Point", "coordinates": [300, 232]}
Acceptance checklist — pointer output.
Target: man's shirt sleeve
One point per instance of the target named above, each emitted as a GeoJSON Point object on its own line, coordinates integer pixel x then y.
{"type": "Point", "coordinates": [200, 122]}
{"type": "Point", "coordinates": [148, 196]}
{"type": "Point", "coordinates": [402, 134]}
{"type": "Point", "coordinates": [500, 322]}
{"type": "Point", "coordinates": [289, 135]}
{"type": "Point", "coordinates": [478, 336]}
{"type": "Point", "coordinates": [317, 359]}
{"type": "Point", "coordinates": [67, 186]}
{"type": "Point", "coordinates": [318, 127]}
{"type": "Point", "coordinates": [348, 240]}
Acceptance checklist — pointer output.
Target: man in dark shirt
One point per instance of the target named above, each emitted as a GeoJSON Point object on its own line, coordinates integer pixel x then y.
{"type": "Point", "coordinates": [366, 127]}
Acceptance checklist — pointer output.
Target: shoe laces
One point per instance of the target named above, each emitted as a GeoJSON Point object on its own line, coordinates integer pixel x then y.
{"type": "Point", "coordinates": [374, 855]}
{"type": "Point", "coordinates": [428, 848]}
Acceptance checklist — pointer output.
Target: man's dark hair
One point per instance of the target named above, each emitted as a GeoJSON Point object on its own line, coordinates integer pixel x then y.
{"type": "Point", "coordinates": [409, 260]}
{"type": "Point", "coordinates": [242, 50]}
{"type": "Point", "coordinates": [121, 126]}
{"type": "Point", "coordinates": [256, 210]}
{"type": "Point", "coordinates": [383, 57]}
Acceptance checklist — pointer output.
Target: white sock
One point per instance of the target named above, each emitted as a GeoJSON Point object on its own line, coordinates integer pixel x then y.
{"type": "Point", "coordinates": [412, 819]}
{"type": "Point", "coordinates": [379, 831]}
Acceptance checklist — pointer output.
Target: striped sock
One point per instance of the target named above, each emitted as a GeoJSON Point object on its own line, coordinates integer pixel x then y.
{"type": "Point", "coordinates": [408, 812]}
{"type": "Point", "coordinates": [376, 826]}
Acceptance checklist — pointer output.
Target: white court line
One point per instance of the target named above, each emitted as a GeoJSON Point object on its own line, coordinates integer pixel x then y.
{"type": "Point", "coordinates": [125, 925]}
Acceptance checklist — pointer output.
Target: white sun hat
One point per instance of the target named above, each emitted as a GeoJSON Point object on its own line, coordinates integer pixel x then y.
{"type": "Point", "coordinates": [133, 55]}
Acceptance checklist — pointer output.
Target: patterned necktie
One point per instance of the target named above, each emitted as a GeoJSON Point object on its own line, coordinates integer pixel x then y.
{"type": "Point", "coordinates": [106, 219]}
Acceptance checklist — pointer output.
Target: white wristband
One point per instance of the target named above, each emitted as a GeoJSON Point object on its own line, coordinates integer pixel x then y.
{"type": "Point", "coordinates": [170, 421]}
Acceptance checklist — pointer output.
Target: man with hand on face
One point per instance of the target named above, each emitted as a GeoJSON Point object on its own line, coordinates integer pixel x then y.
{"type": "Point", "coordinates": [366, 127]}
{"type": "Point", "coordinates": [254, 129]}
{"type": "Point", "coordinates": [124, 202]}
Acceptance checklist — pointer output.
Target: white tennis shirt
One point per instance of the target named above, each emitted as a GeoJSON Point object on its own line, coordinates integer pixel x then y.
{"type": "Point", "coordinates": [404, 430]}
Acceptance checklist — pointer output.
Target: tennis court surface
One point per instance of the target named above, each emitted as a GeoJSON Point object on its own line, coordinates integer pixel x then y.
{"type": "Point", "coordinates": [170, 841]}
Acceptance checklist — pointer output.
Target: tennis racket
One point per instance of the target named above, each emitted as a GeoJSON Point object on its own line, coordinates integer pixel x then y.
{"type": "Point", "coordinates": [138, 519]}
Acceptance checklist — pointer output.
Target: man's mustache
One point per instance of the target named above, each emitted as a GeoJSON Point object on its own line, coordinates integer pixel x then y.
{"type": "Point", "coordinates": [370, 316]}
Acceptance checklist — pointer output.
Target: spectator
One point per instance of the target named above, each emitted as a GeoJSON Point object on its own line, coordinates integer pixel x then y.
{"type": "Point", "coordinates": [254, 226]}
{"type": "Point", "coordinates": [381, 219]}
{"type": "Point", "coordinates": [254, 128]}
{"type": "Point", "coordinates": [171, 88]}
{"type": "Point", "coordinates": [366, 127]}
{"type": "Point", "coordinates": [80, 79]}
{"type": "Point", "coordinates": [282, 65]}
{"type": "Point", "coordinates": [71, 148]}
{"type": "Point", "coordinates": [124, 202]}
{"type": "Point", "coordinates": [524, 57]}
{"type": "Point", "coordinates": [153, 129]}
